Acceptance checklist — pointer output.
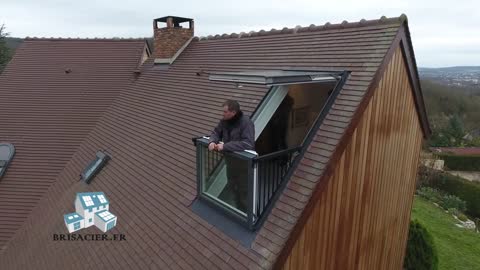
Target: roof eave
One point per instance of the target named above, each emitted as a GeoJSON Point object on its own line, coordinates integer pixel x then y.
{"type": "Point", "coordinates": [409, 57]}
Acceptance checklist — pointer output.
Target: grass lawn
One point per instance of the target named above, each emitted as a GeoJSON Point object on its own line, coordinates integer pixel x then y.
{"type": "Point", "coordinates": [457, 248]}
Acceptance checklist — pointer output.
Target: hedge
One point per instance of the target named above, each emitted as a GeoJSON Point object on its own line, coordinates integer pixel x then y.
{"type": "Point", "coordinates": [463, 189]}
{"type": "Point", "coordinates": [445, 200]}
{"type": "Point", "coordinates": [421, 252]}
{"type": "Point", "coordinates": [461, 163]}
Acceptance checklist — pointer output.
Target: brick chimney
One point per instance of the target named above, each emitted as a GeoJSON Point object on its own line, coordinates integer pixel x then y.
{"type": "Point", "coordinates": [170, 39]}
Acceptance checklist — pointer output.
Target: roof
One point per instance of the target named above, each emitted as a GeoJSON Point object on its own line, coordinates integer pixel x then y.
{"type": "Point", "coordinates": [71, 218]}
{"type": "Point", "coordinates": [92, 199]}
{"type": "Point", "coordinates": [105, 215]}
{"type": "Point", "coordinates": [46, 112]}
{"type": "Point", "coordinates": [152, 177]}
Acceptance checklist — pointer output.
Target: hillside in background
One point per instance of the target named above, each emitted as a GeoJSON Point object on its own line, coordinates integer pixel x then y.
{"type": "Point", "coordinates": [453, 76]}
{"type": "Point", "coordinates": [453, 108]}
{"type": "Point", "coordinates": [13, 42]}
{"type": "Point", "coordinates": [443, 102]}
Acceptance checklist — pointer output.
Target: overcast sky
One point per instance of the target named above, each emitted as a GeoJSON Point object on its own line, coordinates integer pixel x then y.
{"type": "Point", "coordinates": [444, 33]}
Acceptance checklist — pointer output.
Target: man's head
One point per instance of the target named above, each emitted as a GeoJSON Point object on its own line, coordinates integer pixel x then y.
{"type": "Point", "coordinates": [230, 109]}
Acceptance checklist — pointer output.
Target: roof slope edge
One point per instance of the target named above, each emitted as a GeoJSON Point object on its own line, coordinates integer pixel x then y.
{"type": "Point", "coordinates": [322, 183]}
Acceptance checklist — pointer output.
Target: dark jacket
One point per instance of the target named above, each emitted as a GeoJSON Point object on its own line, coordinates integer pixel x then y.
{"type": "Point", "coordinates": [237, 134]}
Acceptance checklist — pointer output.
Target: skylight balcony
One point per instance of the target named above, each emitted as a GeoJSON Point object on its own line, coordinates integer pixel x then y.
{"type": "Point", "coordinates": [244, 185]}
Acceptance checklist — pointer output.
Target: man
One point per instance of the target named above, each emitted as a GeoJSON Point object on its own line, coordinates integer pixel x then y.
{"type": "Point", "coordinates": [235, 132]}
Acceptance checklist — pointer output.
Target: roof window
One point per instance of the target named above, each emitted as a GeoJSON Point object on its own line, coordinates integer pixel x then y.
{"type": "Point", "coordinates": [244, 185]}
{"type": "Point", "coordinates": [276, 77]}
{"type": "Point", "coordinates": [7, 151]}
{"type": "Point", "coordinates": [94, 167]}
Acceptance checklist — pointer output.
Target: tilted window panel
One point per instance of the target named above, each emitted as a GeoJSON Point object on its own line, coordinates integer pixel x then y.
{"type": "Point", "coordinates": [94, 167]}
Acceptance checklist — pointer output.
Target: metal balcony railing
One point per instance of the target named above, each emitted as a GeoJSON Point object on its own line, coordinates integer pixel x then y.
{"type": "Point", "coordinates": [242, 184]}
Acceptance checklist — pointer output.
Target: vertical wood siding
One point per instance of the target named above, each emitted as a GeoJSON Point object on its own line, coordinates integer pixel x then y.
{"type": "Point", "coordinates": [361, 219]}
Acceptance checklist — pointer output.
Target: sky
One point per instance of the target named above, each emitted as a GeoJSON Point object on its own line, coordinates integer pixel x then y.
{"type": "Point", "coordinates": [444, 33]}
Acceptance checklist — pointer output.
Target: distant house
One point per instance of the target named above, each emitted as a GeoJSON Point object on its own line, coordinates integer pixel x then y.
{"type": "Point", "coordinates": [339, 121]}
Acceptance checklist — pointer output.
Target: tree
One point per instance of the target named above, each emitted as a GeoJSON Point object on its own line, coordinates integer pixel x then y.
{"type": "Point", "coordinates": [5, 53]}
{"type": "Point", "coordinates": [451, 135]}
{"type": "Point", "coordinates": [421, 251]}
{"type": "Point", "coordinates": [456, 129]}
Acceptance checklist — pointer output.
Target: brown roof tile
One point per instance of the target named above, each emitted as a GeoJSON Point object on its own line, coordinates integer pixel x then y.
{"type": "Point", "coordinates": [47, 112]}
{"type": "Point", "coordinates": [151, 179]}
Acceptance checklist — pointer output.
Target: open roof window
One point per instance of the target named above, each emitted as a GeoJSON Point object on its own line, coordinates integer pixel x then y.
{"type": "Point", "coordinates": [94, 167]}
{"type": "Point", "coordinates": [244, 185]}
{"type": "Point", "coordinates": [276, 77]}
{"type": "Point", "coordinates": [285, 121]}
{"type": "Point", "coordinates": [7, 150]}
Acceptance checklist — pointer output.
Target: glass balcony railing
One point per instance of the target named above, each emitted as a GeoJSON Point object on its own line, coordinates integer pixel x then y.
{"type": "Point", "coordinates": [241, 184]}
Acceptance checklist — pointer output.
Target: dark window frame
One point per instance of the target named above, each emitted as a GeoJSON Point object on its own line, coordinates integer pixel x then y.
{"type": "Point", "coordinates": [276, 77]}
{"type": "Point", "coordinates": [94, 167]}
{"type": "Point", "coordinates": [247, 223]}
{"type": "Point", "coordinates": [4, 164]}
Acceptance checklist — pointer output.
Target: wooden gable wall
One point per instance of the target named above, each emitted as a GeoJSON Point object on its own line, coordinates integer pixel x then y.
{"type": "Point", "coordinates": [362, 216]}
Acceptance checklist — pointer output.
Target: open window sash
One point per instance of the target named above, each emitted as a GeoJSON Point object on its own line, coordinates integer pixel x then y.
{"type": "Point", "coordinates": [260, 119]}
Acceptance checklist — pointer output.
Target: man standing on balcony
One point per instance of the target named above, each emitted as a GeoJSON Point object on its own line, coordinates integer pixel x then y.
{"type": "Point", "coordinates": [235, 132]}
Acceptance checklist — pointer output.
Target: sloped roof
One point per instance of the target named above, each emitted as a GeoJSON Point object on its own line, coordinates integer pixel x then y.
{"type": "Point", "coordinates": [151, 179]}
{"type": "Point", "coordinates": [51, 95]}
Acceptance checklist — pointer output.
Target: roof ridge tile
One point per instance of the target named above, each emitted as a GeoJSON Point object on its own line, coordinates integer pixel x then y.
{"type": "Point", "coordinates": [28, 38]}
{"type": "Point", "coordinates": [311, 28]}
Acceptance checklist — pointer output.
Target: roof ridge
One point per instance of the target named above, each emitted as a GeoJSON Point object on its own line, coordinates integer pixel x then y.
{"type": "Point", "coordinates": [311, 28]}
{"type": "Point", "coordinates": [82, 39]}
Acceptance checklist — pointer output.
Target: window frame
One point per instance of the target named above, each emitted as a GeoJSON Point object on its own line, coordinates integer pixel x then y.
{"type": "Point", "coordinates": [307, 140]}
{"type": "Point", "coordinates": [226, 209]}
{"type": "Point", "coordinates": [249, 221]}
{"type": "Point", "coordinates": [5, 163]}
{"type": "Point", "coordinates": [276, 77]}
{"type": "Point", "coordinates": [94, 167]}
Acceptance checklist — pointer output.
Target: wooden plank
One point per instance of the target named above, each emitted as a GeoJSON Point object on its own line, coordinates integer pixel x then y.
{"type": "Point", "coordinates": [361, 219]}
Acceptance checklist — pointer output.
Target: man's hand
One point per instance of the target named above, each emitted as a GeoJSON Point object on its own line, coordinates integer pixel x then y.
{"type": "Point", "coordinates": [220, 147]}
{"type": "Point", "coordinates": [212, 146]}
